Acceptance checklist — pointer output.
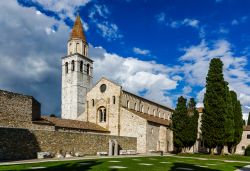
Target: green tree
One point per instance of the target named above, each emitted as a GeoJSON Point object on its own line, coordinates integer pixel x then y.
{"type": "Point", "coordinates": [229, 126]}
{"type": "Point", "coordinates": [248, 121]}
{"type": "Point", "coordinates": [179, 123]}
{"type": "Point", "coordinates": [215, 107]}
{"type": "Point", "coordinates": [193, 122]}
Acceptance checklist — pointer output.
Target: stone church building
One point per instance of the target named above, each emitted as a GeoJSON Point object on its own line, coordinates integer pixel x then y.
{"type": "Point", "coordinates": [107, 104]}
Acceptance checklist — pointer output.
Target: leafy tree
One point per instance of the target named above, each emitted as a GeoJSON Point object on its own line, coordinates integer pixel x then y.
{"type": "Point", "coordinates": [248, 121]}
{"type": "Point", "coordinates": [215, 107]}
{"type": "Point", "coordinates": [179, 123]}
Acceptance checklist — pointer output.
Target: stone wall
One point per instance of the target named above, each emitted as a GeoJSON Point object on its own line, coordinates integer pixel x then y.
{"type": "Point", "coordinates": [18, 109]}
{"type": "Point", "coordinates": [134, 126]}
{"type": "Point", "coordinates": [240, 149]}
{"type": "Point", "coordinates": [24, 144]}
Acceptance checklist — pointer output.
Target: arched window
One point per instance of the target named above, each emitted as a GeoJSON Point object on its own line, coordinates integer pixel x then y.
{"type": "Point", "coordinates": [159, 114]}
{"type": "Point", "coordinates": [142, 109]}
{"type": "Point", "coordinates": [113, 99]}
{"type": "Point", "coordinates": [77, 47]}
{"type": "Point", "coordinates": [128, 104]}
{"type": "Point", "coordinates": [102, 114]}
{"type": "Point", "coordinates": [66, 67]}
{"type": "Point", "coordinates": [88, 69]}
{"type": "Point", "coordinates": [81, 66]}
{"type": "Point", "coordinates": [148, 111]}
{"type": "Point", "coordinates": [93, 102]}
{"type": "Point", "coordinates": [84, 50]}
{"type": "Point", "coordinates": [73, 65]}
{"type": "Point", "coordinates": [154, 112]}
{"type": "Point", "coordinates": [135, 107]}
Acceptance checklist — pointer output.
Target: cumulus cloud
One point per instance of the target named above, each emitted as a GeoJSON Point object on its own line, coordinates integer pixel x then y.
{"type": "Point", "coordinates": [141, 51]}
{"type": "Point", "coordinates": [64, 8]}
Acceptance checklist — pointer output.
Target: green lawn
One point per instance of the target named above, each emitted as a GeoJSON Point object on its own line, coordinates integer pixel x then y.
{"type": "Point", "coordinates": [138, 163]}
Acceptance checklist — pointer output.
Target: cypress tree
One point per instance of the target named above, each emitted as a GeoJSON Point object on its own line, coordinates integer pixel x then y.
{"type": "Point", "coordinates": [238, 121]}
{"type": "Point", "coordinates": [179, 123]}
{"type": "Point", "coordinates": [193, 122]}
{"type": "Point", "coordinates": [215, 107]}
{"type": "Point", "coordinates": [229, 126]}
{"type": "Point", "coordinates": [248, 121]}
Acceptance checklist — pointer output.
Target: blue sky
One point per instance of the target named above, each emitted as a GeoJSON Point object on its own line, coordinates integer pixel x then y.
{"type": "Point", "coordinates": [159, 49]}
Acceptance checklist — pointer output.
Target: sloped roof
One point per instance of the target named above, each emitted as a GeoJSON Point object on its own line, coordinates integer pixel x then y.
{"type": "Point", "coordinates": [150, 118]}
{"type": "Point", "coordinates": [246, 128]}
{"type": "Point", "coordinates": [73, 124]}
{"type": "Point", "coordinates": [77, 30]}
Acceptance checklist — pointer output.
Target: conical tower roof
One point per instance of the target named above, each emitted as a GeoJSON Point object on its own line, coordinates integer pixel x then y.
{"type": "Point", "coordinates": [77, 30]}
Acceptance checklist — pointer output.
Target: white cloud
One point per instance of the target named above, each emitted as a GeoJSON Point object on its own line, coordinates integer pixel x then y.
{"type": "Point", "coordinates": [65, 8]}
{"type": "Point", "coordinates": [161, 18]}
{"type": "Point", "coordinates": [109, 30]}
{"type": "Point", "coordinates": [99, 15]}
{"type": "Point", "coordinates": [186, 22]}
{"type": "Point", "coordinates": [239, 20]}
{"type": "Point", "coordinates": [141, 51]}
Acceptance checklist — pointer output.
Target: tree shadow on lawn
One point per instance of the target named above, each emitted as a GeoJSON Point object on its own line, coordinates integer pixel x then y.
{"type": "Point", "coordinates": [75, 166]}
{"type": "Point", "coordinates": [189, 167]}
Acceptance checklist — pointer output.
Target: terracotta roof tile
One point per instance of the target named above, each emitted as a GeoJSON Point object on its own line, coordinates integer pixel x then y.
{"type": "Point", "coordinates": [246, 128]}
{"type": "Point", "coordinates": [200, 109]}
{"type": "Point", "coordinates": [74, 124]}
{"type": "Point", "coordinates": [150, 118]}
{"type": "Point", "coordinates": [77, 30]}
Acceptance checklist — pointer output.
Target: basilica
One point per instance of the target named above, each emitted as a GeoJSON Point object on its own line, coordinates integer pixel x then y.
{"type": "Point", "coordinates": [107, 104]}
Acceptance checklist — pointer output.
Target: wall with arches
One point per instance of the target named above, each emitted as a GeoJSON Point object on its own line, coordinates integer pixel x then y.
{"type": "Point", "coordinates": [139, 104]}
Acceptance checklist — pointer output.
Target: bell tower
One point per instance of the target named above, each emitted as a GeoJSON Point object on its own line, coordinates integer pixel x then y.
{"type": "Point", "coordinates": [77, 73]}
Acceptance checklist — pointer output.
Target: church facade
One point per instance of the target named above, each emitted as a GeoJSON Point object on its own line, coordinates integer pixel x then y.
{"type": "Point", "coordinates": [107, 104]}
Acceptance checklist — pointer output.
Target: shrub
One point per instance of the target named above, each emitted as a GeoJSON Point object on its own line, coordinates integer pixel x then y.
{"type": "Point", "coordinates": [247, 151]}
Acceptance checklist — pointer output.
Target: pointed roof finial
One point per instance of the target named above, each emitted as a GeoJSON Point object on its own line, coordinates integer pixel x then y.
{"type": "Point", "coordinates": [77, 30]}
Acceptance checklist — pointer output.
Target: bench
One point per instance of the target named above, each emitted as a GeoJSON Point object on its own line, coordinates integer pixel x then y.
{"type": "Point", "coordinates": [102, 153]}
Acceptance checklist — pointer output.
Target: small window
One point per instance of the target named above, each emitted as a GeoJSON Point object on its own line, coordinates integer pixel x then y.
{"type": "Point", "coordinates": [135, 107]}
{"type": "Point", "coordinates": [66, 67]}
{"type": "Point", "coordinates": [81, 66]}
{"type": "Point", "coordinates": [88, 69]}
{"type": "Point", "coordinates": [93, 102]}
{"type": "Point", "coordinates": [73, 65]}
{"type": "Point", "coordinates": [148, 111]}
{"type": "Point", "coordinates": [243, 147]}
{"type": "Point", "coordinates": [248, 136]}
{"type": "Point", "coordinates": [113, 99]}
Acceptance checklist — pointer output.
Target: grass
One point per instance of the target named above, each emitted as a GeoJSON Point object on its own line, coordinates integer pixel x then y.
{"type": "Point", "coordinates": [225, 157]}
{"type": "Point", "coordinates": [138, 163]}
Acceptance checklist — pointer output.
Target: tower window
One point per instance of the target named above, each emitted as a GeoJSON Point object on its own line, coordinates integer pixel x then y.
{"type": "Point", "coordinates": [66, 67]}
{"type": "Point", "coordinates": [81, 66]}
{"type": "Point", "coordinates": [102, 114]}
{"type": "Point", "coordinates": [135, 106]}
{"type": "Point", "coordinates": [93, 102]}
{"type": "Point", "coordinates": [154, 112]}
{"type": "Point", "coordinates": [73, 65]}
{"type": "Point", "coordinates": [113, 99]}
{"type": "Point", "coordinates": [77, 47]}
{"type": "Point", "coordinates": [84, 50]}
{"type": "Point", "coordinates": [88, 69]}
